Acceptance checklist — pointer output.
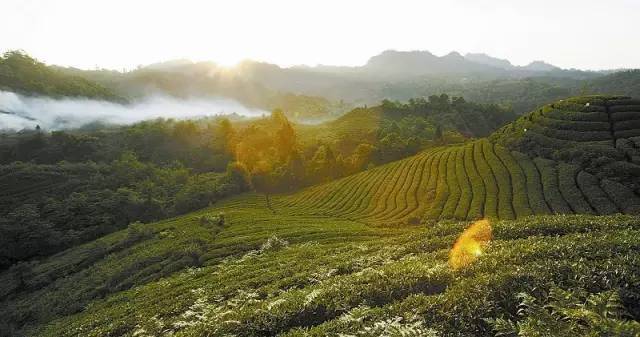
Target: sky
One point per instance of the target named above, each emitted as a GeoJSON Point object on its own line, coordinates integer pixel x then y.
{"type": "Point", "coordinates": [122, 34]}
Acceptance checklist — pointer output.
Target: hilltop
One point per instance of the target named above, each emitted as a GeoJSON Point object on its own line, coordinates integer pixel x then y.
{"type": "Point", "coordinates": [348, 257]}
{"type": "Point", "coordinates": [23, 74]}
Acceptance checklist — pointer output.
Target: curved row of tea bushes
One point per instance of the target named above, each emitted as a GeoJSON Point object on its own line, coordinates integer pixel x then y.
{"type": "Point", "coordinates": [505, 195]}
{"type": "Point", "coordinates": [596, 197]}
{"type": "Point", "coordinates": [570, 191]}
{"type": "Point", "coordinates": [471, 181]}
{"type": "Point", "coordinates": [478, 190]}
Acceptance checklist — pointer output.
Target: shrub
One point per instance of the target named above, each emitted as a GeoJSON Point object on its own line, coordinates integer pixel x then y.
{"type": "Point", "coordinates": [518, 182]}
{"type": "Point", "coordinates": [462, 209]}
{"type": "Point", "coordinates": [550, 186]}
{"type": "Point", "coordinates": [570, 191]}
{"type": "Point", "coordinates": [590, 185]}
{"type": "Point", "coordinates": [624, 198]}
{"type": "Point", "coordinates": [505, 195]}
{"type": "Point", "coordinates": [534, 184]}
{"type": "Point", "coordinates": [569, 313]}
{"type": "Point", "coordinates": [442, 188]}
{"type": "Point", "coordinates": [212, 220]}
{"type": "Point", "coordinates": [491, 186]}
{"type": "Point", "coordinates": [477, 185]}
{"type": "Point", "coordinates": [452, 183]}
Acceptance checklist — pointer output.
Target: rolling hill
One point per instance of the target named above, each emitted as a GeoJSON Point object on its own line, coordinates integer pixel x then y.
{"type": "Point", "coordinates": [23, 74]}
{"type": "Point", "coordinates": [345, 258]}
{"type": "Point", "coordinates": [574, 156]}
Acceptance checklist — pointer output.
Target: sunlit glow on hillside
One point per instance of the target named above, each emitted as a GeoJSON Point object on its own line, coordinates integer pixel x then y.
{"type": "Point", "coordinates": [470, 245]}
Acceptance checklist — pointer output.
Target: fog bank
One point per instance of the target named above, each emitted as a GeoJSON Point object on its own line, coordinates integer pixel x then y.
{"type": "Point", "coordinates": [18, 112]}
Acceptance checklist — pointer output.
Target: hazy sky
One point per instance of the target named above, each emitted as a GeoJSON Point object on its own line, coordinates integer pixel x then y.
{"type": "Point", "coordinates": [586, 34]}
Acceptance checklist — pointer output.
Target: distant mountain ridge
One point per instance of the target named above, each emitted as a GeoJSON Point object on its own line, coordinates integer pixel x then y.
{"type": "Point", "coordinates": [393, 63]}
{"type": "Point", "coordinates": [325, 90]}
{"type": "Point", "coordinates": [402, 64]}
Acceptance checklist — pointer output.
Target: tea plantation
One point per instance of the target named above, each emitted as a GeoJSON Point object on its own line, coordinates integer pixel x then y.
{"type": "Point", "coordinates": [578, 156]}
{"type": "Point", "coordinates": [368, 255]}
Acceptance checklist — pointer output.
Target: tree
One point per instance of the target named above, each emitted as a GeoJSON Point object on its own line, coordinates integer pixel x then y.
{"type": "Point", "coordinates": [24, 234]}
{"type": "Point", "coordinates": [322, 167]}
{"type": "Point", "coordinates": [438, 134]}
{"type": "Point", "coordinates": [361, 157]}
{"type": "Point", "coordinates": [285, 139]}
{"type": "Point", "coordinates": [228, 135]}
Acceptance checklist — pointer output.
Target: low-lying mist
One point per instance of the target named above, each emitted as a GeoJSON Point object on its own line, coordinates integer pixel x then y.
{"type": "Point", "coordinates": [19, 112]}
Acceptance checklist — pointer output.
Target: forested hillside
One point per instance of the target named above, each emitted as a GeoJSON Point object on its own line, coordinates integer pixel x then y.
{"type": "Point", "coordinates": [21, 73]}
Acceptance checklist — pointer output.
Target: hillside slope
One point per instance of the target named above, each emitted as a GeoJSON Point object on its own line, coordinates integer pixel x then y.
{"type": "Point", "coordinates": [22, 74]}
{"type": "Point", "coordinates": [266, 274]}
{"type": "Point", "coordinates": [576, 156]}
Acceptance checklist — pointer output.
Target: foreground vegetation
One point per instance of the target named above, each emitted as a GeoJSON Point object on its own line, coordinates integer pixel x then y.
{"type": "Point", "coordinates": [257, 273]}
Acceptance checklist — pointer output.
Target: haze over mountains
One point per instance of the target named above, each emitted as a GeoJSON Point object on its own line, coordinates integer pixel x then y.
{"type": "Point", "coordinates": [396, 63]}
{"type": "Point", "coordinates": [381, 76]}
{"type": "Point", "coordinates": [320, 92]}
{"type": "Point", "coordinates": [401, 75]}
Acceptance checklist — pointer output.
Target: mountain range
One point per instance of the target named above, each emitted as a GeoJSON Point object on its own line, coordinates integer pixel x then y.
{"type": "Point", "coordinates": [324, 91]}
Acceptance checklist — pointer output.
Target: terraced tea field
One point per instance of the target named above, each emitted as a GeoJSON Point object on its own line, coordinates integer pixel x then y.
{"type": "Point", "coordinates": [485, 179]}
{"type": "Point", "coordinates": [477, 180]}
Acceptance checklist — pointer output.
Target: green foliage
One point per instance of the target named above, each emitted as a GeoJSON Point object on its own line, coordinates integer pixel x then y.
{"type": "Point", "coordinates": [50, 208]}
{"type": "Point", "coordinates": [569, 313]}
{"type": "Point", "coordinates": [550, 186]}
{"type": "Point", "coordinates": [503, 180]}
{"type": "Point", "coordinates": [200, 145]}
{"type": "Point", "coordinates": [337, 257]}
{"type": "Point", "coordinates": [21, 73]}
{"type": "Point", "coordinates": [518, 183]}
{"type": "Point", "coordinates": [534, 184]}
{"type": "Point", "coordinates": [570, 191]}
{"type": "Point", "coordinates": [452, 113]}
{"type": "Point", "coordinates": [451, 181]}
{"type": "Point", "coordinates": [569, 131]}
{"type": "Point", "coordinates": [341, 277]}
{"type": "Point", "coordinates": [462, 209]}
{"type": "Point", "coordinates": [596, 197]}
{"type": "Point", "coordinates": [478, 189]}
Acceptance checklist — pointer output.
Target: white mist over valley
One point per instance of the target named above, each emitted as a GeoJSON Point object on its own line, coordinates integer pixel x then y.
{"type": "Point", "coordinates": [19, 112]}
